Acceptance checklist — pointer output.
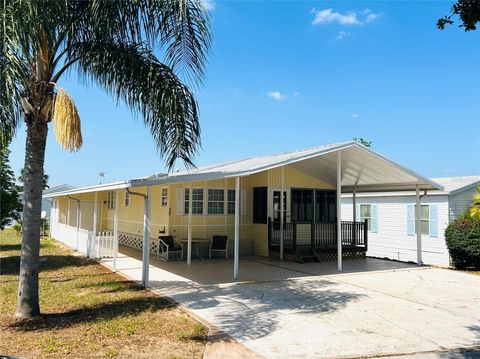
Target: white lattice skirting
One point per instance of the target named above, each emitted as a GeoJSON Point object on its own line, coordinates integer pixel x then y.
{"type": "Point", "coordinates": [133, 241]}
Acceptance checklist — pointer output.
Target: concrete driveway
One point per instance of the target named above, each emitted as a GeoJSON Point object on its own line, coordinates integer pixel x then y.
{"type": "Point", "coordinates": [403, 310]}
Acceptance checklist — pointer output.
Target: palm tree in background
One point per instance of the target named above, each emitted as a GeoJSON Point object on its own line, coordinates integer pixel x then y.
{"type": "Point", "coordinates": [111, 44]}
{"type": "Point", "coordinates": [44, 180]}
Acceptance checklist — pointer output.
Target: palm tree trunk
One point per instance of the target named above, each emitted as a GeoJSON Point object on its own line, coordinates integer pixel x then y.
{"type": "Point", "coordinates": [28, 304]}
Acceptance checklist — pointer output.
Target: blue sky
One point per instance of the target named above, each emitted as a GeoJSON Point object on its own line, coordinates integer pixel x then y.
{"type": "Point", "coordinates": [285, 75]}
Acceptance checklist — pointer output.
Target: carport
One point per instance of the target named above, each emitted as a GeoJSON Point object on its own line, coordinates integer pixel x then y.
{"type": "Point", "coordinates": [345, 167]}
{"type": "Point", "coordinates": [348, 166]}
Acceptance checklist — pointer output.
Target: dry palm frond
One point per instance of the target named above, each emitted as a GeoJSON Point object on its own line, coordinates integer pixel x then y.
{"type": "Point", "coordinates": [66, 122]}
{"type": "Point", "coordinates": [475, 206]}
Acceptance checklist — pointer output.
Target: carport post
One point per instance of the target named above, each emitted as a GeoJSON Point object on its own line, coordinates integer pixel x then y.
{"type": "Point", "coordinates": [115, 232]}
{"type": "Point", "coordinates": [236, 247]}
{"type": "Point", "coordinates": [95, 208]}
{"type": "Point", "coordinates": [78, 220]}
{"type": "Point", "coordinates": [146, 239]}
{"type": "Point", "coordinates": [189, 237]}
{"type": "Point", "coordinates": [91, 245]}
{"type": "Point", "coordinates": [339, 211]}
{"type": "Point", "coordinates": [418, 227]}
{"type": "Point", "coordinates": [281, 215]}
{"type": "Point", "coordinates": [354, 202]}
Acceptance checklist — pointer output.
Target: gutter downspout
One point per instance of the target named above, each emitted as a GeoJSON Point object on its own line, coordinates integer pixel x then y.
{"type": "Point", "coordinates": [78, 217]}
{"type": "Point", "coordinates": [146, 234]}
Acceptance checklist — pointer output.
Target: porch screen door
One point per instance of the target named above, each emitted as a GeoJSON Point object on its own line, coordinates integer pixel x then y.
{"type": "Point", "coordinates": [276, 206]}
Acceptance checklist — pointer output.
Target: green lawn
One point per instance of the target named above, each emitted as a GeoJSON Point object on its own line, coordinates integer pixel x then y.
{"type": "Point", "coordinates": [88, 311]}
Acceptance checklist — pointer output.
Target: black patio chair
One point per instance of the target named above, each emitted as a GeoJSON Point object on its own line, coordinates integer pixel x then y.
{"type": "Point", "coordinates": [169, 247]}
{"type": "Point", "coordinates": [218, 244]}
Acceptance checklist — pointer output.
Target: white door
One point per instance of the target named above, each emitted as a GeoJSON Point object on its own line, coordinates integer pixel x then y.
{"type": "Point", "coordinates": [274, 205]}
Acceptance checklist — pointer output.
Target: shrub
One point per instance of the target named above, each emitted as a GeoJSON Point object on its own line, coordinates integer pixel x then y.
{"type": "Point", "coordinates": [18, 228]}
{"type": "Point", "coordinates": [463, 242]}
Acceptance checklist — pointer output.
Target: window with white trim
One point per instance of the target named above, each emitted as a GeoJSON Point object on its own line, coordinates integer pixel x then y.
{"type": "Point", "coordinates": [424, 219]}
{"type": "Point", "coordinates": [126, 199]}
{"type": "Point", "coordinates": [231, 201]}
{"type": "Point", "coordinates": [216, 201]}
{"type": "Point", "coordinates": [197, 200]}
{"type": "Point", "coordinates": [110, 200]}
{"type": "Point", "coordinates": [164, 197]}
{"type": "Point", "coordinates": [366, 214]}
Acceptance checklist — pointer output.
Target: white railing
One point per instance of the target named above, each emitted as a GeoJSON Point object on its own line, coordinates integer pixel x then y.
{"type": "Point", "coordinates": [99, 246]}
{"type": "Point", "coordinates": [103, 245]}
{"type": "Point", "coordinates": [70, 236]}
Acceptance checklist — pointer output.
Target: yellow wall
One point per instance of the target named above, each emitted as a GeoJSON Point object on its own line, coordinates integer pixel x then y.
{"type": "Point", "coordinates": [253, 238]}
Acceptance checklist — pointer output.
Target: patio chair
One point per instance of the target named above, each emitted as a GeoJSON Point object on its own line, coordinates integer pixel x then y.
{"type": "Point", "coordinates": [218, 244]}
{"type": "Point", "coordinates": [168, 248]}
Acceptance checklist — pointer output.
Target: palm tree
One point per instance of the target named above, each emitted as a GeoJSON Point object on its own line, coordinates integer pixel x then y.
{"type": "Point", "coordinates": [111, 44]}
{"type": "Point", "coordinates": [474, 210]}
{"type": "Point", "coordinates": [44, 180]}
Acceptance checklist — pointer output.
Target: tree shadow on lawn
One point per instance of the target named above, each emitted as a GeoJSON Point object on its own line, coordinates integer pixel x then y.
{"type": "Point", "coordinates": [94, 314]}
{"type": "Point", "coordinates": [10, 247]}
{"type": "Point", "coordinates": [11, 265]}
{"type": "Point", "coordinates": [112, 286]}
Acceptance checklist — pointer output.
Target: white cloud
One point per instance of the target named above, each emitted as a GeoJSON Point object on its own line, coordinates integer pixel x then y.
{"type": "Point", "coordinates": [342, 34]}
{"type": "Point", "coordinates": [355, 115]}
{"type": "Point", "coordinates": [371, 17]}
{"type": "Point", "coordinates": [296, 94]}
{"type": "Point", "coordinates": [276, 95]}
{"type": "Point", "coordinates": [329, 16]}
{"type": "Point", "coordinates": [209, 5]}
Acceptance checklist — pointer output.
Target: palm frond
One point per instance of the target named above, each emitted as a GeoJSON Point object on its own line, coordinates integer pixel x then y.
{"type": "Point", "coordinates": [179, 29]}
{"type": "Point", "coordinates": [66, 122]}
{"type": "Point", "coordinates": [132, 73]}
{"type": "Point", "coordinates": [474, 209]}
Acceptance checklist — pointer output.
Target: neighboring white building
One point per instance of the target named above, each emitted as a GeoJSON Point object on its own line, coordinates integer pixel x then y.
{"type": "Point", "coordinates": [392, 219]}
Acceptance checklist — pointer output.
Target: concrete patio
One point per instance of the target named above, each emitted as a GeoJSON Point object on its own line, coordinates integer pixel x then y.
{"type": "Point", "coordinates": [281, 309]}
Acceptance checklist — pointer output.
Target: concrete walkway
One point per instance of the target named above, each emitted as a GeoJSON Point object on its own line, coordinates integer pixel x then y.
{"type": "Point", "coordinates": [281, 310]}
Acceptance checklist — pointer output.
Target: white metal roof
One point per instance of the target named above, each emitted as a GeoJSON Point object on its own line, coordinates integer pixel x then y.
{"type": "Point", "coordinates": [58, 188]}
{"type": "Point", "coordinates": [362, 168]}
{"type": "Point", "coordinates": [458, 183]}
{"type": "Point", "coordinates": [101, 187]}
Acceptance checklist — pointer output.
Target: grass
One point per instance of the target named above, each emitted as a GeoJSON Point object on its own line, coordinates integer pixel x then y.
{"type": "Point", "coordinates": [88, 311]}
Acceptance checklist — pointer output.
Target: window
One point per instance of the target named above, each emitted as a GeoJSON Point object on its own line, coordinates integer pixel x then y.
{"type": "Point", "coordinates": [216, 201]}
{"type": "Point", "coordinates": [164, 197]}
{"type": "Point", "coordinates": [126, 199]}
{"type": "Point", "coordinates": [325, 206]}
{"type": "Point", "coordinates": [231, 201]}
{"type": "Point", "coordinates": [260, 205]}
{"type": "Point", "coordinates": [197, 200]}
{"type": "Point", "coordinates": [110, 200]}
{"type": "Point", "coordinates": [424, 219]}
{"type": "Point", "coordinates": [366, 214]}
{"type": "Point", "coordinates": [428, 220]}
{"type": "Point", "coordinates": [302, 205]}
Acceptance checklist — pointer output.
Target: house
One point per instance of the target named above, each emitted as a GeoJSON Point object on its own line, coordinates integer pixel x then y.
{"type": "Point", "coordinates": [391, 219]}
{"type": "Point", "coordinates": [285, 206]}
{"type": "Point", "coordinates": [46, 201]}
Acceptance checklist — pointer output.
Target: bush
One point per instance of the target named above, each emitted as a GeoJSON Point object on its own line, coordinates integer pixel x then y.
{"type": "Point", "coordinates": [18, 228]}
{"type": "Point", "coordinates": [463, 242]}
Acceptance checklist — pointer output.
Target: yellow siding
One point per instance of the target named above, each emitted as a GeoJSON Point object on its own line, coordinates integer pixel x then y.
{"type": "Point", "coordinates": [295, 179]}
{"type": "Point", "coordinates": [253, 237]}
